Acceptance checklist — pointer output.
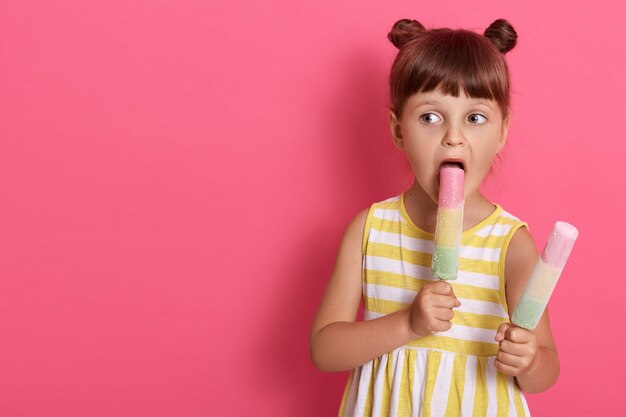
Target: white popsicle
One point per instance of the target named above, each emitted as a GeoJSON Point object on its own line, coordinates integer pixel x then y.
{"type": "Point", "coordinates": [544, 277]}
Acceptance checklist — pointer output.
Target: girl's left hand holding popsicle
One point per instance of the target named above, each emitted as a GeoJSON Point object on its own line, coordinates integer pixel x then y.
{"type": "Point", "coordinates": [539, 373]}
{"type": "Point", "coordinates": [518, 349]}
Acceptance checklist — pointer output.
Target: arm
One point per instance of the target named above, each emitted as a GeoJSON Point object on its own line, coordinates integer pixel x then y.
{"type": "Point", "coordinates": [530, 356]}
{"type": "Point", "coordinates": [337, 342]}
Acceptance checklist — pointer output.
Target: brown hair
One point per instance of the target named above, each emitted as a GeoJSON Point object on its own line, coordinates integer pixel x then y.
{"type": "Point", "coordinates": [451, 60]}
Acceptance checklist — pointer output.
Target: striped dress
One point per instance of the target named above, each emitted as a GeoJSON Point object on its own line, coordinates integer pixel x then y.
{"type": "Point", "coordinates": [450, 373]}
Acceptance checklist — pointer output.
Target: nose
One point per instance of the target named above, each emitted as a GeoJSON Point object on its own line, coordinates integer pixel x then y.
{"type": "Point", "coordinates": [453, 137]}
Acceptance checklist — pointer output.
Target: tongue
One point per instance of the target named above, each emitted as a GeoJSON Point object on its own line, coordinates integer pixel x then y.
{"type": "Point", "coordinates": [451, 165]}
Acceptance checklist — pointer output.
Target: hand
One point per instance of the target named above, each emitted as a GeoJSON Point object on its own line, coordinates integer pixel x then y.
{"type": "Point", "coordinates": [518, 348]}
{"type": "Point", "coordinates": [431, 310]}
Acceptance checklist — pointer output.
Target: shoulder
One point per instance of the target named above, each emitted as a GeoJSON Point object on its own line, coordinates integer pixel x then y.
{"type": "Point", "coordinates": [354, 235]}
{"type": "Point", "coordinates": [354, 230]}
{"type": "Point", "coordinates": [357, 229]}
{"type": "Point", "coordinates": [522, 249]}
{"type": "Point", "coordinates": [360, 217]}
{"type": "Point", "coordinates": [508, 217]}
{"type": "Point", "coordinates": [520, 260]}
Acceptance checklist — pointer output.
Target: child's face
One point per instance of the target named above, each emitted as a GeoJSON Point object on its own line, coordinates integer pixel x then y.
{"type": "Point", "coordinates": [436, 127]}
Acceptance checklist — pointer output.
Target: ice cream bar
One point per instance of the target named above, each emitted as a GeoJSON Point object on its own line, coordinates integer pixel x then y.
{"type": "Point", "coordinates": [543, 279]}
{"type": "Point", "coordinates": [449, 227]}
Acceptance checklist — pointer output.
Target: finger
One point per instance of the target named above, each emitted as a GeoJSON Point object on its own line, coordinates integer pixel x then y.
{"type": "Point", "coordinates": [443, 301]}
{"type": "Point", "coordinates": [502, 328]}
{"type": "Point", "coordinates": [444, 314]}
{"type": "Point", "coordinates": [517, 334]}
{"type": "Point", "coordinates": [509, 359]}
{"type": "Point", "coordinates": [442, 288]}
{"type": "Point", "coordinates": [443, 325]}
{"type": "Point", "coordinates": [506, 369]}
{"type": "Point", "coordinates": [512, 348]}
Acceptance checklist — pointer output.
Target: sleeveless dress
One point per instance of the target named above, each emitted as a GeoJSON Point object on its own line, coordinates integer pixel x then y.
{"type": "Point", "coordinates": [450, 373]}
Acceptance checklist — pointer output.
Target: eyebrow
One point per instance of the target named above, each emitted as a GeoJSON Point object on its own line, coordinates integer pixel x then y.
{"type": "Point", "coordinates": [479, 101]}
{"type": "Point", "coordinates": [435, 102]}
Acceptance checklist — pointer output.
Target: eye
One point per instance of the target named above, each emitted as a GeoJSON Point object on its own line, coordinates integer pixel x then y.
{"type": "Point", "coordinates": [429, 118]}
{"type": "Point", "coordinates": [477, 118]}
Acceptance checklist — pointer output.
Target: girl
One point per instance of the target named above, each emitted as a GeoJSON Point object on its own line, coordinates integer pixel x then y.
{"type": "Point", "coordinates": [429, 347]}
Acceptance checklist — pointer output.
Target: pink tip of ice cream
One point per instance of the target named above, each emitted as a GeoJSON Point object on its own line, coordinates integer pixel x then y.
{"type": "Point", "coordinates": [451, 179]}
{"type": "Point", "coordinates": [559, 244]}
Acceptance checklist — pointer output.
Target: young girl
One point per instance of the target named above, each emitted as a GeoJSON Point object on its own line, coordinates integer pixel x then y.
{"type": "Point", "coordinates": [430, 347]}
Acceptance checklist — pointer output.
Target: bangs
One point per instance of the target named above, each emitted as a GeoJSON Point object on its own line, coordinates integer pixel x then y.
{"type": "Point", "coordinates": [451, 61]}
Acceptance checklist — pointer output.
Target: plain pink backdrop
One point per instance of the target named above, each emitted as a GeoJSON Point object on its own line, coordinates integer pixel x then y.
{"type": "Point", "coordinates": [176, 176]}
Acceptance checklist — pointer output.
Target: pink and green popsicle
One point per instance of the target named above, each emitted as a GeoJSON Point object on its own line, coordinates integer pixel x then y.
{"type": "Point", "coordinates": [542, 281]}
{"type": "Point", "coordinates": [449, 227]}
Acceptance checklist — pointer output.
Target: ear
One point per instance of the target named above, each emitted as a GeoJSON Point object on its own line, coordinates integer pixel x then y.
{"type": "Point", "coordinates": [504, 133]}
{"type": "Point", "coordinates": [396, 130]}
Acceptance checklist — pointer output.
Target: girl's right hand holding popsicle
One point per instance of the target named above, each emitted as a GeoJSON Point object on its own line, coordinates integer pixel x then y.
{"type": "Point", "coordinates": [431, 310]}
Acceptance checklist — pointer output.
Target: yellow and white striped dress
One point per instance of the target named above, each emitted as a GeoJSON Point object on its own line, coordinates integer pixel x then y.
{"type": "Point", "coordinates": [451, 373]}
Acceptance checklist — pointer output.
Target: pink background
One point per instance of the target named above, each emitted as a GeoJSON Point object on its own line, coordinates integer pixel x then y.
{"type": "Point", "coordinates": [176, 177]}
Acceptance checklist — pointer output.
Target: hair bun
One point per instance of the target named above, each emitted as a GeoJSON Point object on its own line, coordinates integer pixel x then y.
{"type": "Point", "coordinates": [403, 31]}
{"type": "Point", "coordinates": [502, 34]}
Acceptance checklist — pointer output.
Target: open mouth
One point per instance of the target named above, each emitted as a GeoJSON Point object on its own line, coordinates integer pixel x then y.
{"type": "Point", "coordinates": [458, 164]}
{"type": "Point", "coordinates": [455, 164]}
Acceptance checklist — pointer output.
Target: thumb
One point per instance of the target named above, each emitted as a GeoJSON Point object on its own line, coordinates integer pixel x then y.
{"type": "Point", "coordinates": [502, 328]}
{"type": "Point", "coordinates": [443, 288]}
